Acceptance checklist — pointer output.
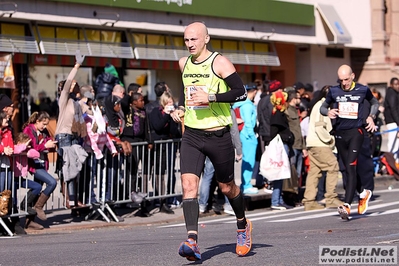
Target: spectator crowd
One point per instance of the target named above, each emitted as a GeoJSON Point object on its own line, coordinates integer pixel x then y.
{"type": "Point", "coordinates": [104, 123]}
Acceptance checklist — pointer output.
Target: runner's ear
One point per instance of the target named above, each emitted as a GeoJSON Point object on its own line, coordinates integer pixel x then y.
{"type": "Point", "coordinates": [207, 39]}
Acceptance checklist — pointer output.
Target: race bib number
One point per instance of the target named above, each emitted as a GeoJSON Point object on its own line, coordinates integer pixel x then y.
{"type": "Point", "coordinates": [348, 110]}
{"type": "Point", "coordinates": [190, 104]}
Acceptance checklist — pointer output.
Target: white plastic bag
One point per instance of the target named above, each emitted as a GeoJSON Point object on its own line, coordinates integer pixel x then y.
{"type": "Point", "coordinates": [274, 163]}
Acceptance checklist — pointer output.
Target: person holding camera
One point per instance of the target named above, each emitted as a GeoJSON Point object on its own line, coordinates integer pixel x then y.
{"type": "Point", "coordinates": [163, 128]}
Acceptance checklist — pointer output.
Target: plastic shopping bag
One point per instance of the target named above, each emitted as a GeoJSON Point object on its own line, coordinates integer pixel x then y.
{"type": "Point", "coordinates": [274, 163]}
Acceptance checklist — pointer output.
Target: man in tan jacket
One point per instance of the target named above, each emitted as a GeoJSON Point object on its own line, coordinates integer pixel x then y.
{"type": "Point", "coordinates": [320, 145]}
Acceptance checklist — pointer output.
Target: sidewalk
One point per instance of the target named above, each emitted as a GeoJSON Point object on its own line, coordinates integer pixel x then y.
{"type": "Point", "coordinates": [62, 220]}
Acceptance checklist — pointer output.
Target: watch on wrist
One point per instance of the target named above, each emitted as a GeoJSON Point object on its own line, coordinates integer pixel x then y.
{"type": "Point", "coordinates": [211, 98]}
{"type": "Point", "coordinates": [372, 116]}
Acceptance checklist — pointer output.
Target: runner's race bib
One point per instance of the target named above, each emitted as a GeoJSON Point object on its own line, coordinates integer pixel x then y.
{"type": "Point", "coordinates": [348, 110]}
{"type": "Point", "coordinates": [190, 104]}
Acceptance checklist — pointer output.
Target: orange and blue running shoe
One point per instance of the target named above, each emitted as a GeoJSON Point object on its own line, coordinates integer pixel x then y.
{"type": "Point", "coordinates": [344, 211]}
{"type": "Point", "coordinates": [244, 240]}
{"type": "Point", "coordinates": [364, 202]}
{"type": "Point", "coordinates": [189, 250]}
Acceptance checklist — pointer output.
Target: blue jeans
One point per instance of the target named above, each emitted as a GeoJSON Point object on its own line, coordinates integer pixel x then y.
{"type": "Point", "coordinates": [298, 161]}
{"type": "Point", "coordinates": [5, 182]}
{"type": "Point", "coordinates": [207, 176]}
{"type": "Point", "coordinates": [26, 183]}
{"type": "Point", "coordinates": [43, 176]}
{"type": "Point", "coordinates": [30, 184]}
{"type": "Point", "coordinates": [277, 198]}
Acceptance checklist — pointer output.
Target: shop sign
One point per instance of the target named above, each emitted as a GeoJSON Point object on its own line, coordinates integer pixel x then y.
{"type": "Point", "coordinates": [7, 78]}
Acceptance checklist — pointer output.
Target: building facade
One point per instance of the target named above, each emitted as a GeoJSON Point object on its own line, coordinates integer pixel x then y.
{"type": "Point", "coordinates": [286, 40]}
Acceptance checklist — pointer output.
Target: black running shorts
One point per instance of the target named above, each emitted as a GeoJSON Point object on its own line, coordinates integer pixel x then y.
{"type": "Point", "coordinates": [217, 145]}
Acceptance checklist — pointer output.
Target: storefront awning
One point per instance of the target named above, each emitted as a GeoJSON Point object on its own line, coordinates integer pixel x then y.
{"type": "Point", "coordinates": [67, 47]}
{"type": "Point", "coordinates": [152, 53]}
{"type": "Point", "coordinates": [269, 59]}
{"type": "Point", "coordinates": [18, 44]}
{"type": "Point", "coordinates": [335, 29]}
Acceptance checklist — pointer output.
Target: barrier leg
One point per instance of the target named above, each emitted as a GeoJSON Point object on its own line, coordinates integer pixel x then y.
{"type": "Point", "coordinates": [2, 223]}
{"type": "Point", "coordinates": [100, 210]}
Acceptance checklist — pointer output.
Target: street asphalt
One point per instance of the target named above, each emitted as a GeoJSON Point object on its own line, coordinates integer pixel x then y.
{"type": "Point", "coordinates": [67, 220]}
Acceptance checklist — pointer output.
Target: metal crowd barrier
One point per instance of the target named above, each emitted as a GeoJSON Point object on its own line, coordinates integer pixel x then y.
{"type": "Point", "coordinates": [154, 172]}
{"type": "Point", "coordinates": [18, 193]}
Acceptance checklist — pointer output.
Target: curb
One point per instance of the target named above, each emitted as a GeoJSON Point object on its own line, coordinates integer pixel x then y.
{"type": "Point", "coordinates": [156, 218]}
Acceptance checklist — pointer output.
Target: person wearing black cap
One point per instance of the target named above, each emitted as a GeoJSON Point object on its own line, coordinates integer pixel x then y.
{"type": "Point", "coordinates": [299, 87]}
{"type": "Point", "coordinates": [6, 105]}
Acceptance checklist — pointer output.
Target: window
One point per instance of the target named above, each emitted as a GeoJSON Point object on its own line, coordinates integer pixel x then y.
{"type": "Point", "coordinates": [230, 45]}
{"type": "Point", "coordinates": [155, 39]}
{"type": "Point", "coordinates": [66, 33]}
{"type": "Point", "coordinates": [12, 29]}
{"type": "Point", "coordinates": [335, 52]}
{"type": "Point", "coordinates": [216, 44]}
{"type": "Point", "coordinates": [178, 41]}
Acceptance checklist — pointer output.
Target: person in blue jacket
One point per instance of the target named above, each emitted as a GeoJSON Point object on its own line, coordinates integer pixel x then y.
{"type": "Point", "coordinates": [248, 138]}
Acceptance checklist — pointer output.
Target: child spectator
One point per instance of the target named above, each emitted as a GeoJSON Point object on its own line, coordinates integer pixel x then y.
{"type": "Point", "coordinates": [137, 129]}
{"type": "Point", "coordinates": [42, 142]}
{"type": "Point", "coordinates": [22, 142]}
{"type": "Point", "coordinates": [96, 139]}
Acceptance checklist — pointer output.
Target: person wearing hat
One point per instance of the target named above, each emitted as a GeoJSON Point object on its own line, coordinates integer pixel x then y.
{"type": "Point", "coordinates": [105, 82]}
{"type": "Point", "coordinates": [320, 145]}
{"type": "Point", "coordinates": [6, 105]}
{"type": "Point", "coordinates": [264, 111]}
{"type": "Point", "coordinates": [299, 87]}
{"type": "Point", "coordinates": [279, 126]}
{"type": "Point", "coordinates": [248, 138]}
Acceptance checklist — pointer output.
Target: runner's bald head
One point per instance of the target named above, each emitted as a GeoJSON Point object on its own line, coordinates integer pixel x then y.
{"type": "Point", "coordinates": [199, 27]}
{"type": "Point", "coordinates": [344, 70]}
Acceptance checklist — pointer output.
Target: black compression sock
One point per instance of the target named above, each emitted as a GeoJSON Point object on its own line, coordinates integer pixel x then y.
{"type": "Point", "coordinates": [238, 206]}
{"type": "Point", "coordinates": [191, 213]}
{"type": "Point", "coordinates": [241, 223]}
{"type": "Point", "coordinates": [193, 236]}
